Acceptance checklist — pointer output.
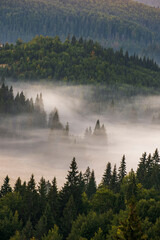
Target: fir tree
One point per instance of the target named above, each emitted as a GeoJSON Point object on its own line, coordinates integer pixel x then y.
{"type": "Point", "coordinates": [69, 215]}
{"type": "Point", "coordinates": [122, 170]}
{"type": "Point", "coordinates": [91, 189]}
{"type": "Point", "coordinates": [106, 180]}
{"type": "Point", "coordinates": [53, 199]}
{"type": "Point", "coordinates": [114, 180]}
{"type": "Point", "coordinates": [156, 158]}
{"type": "Point", "coordinates": [5, 188]}
{"type": "Point", "coordinates": [72, 177]}
{"type": "Point", "coordinates": [141, 171]}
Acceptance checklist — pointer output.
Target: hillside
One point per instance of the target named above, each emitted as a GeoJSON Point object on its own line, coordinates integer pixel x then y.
{"type": "Point", "coordinates": [117, 23]}
{"type": "Point", "coordinates": [75, 61]}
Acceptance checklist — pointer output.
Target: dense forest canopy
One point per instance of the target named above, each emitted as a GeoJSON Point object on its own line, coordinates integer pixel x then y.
{"type": "Point", "coordinates": [117, 23]}
{"type": "Point", "coordinates": [123, 206]}
{"type": "Point", "coordinates": [77, 61]}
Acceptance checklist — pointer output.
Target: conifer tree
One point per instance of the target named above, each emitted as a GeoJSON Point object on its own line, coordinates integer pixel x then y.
{"type": "Point", "coordinates": [141, 170]}
{"type": "Point", "coordinates": [91, 189]}
{"type": "Point", "coordinates": [86, 176]}
{"type": "Point", "coordinates": [69, 215]}
{"type": "Point", "coordinates": [72, 177]}
{"type": "Point", "coordinates": [122, 170]}
{"type": "Point", "coordinates": [31, 184]}
{"type": "Point", "coordinates": [131, 229]}
{"type": "Point", "coordinates": [53, 198]}
{"type": "Point", "coordinates": [98, 235]}
{"type": "Point", "coordinates": [53, 234]}
{"type": "Point", "coordinates": [156, 157]}
{"type": "Point", "coordinates": [5, 188]}
{"type": "Point", "coordinates": [18, 185]}
{"type": "Point", "coordinates": [149, 171]}
{"type": "Point", "coordinates": [42, 189]}
{"type": "Point", "coordinates": [106, 180]}
{"type": "Point", "coordinates": [130, 186]}
{"type": "Point", "coordinates": [114, 180]}
{"type": "Point", "coordinates": [27, 231]}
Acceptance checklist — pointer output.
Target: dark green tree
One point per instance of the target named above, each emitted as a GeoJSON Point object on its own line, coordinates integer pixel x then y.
{"type": "Point", "coordinates": [122, 170]}
{"type": "Point", "coordinates": [5, 188]}
{"type": "Point", "coordinates": [106, 180]}
{"type": "Point", "coordinates": [91, 189]}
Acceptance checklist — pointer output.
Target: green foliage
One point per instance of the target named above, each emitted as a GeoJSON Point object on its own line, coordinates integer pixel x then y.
{"type": "Point", "coordinates": [53, 234]}
{"type": "Point", "coordinates": [99, 235]}
{"type": "Point", "coordinates": [115, 23]}
{"type": "Point", "coordinates": [82, 63]}
{"type": "Point", "coordinates": [30, 211]}
{"type": "Point", "coordinates": [103, 200]}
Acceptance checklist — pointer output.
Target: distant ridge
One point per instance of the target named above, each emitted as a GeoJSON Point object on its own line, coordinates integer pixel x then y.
{"type": "Point", "coordinates": [75, 61]}
{"type": "Point", "coordinates": [114, 23]}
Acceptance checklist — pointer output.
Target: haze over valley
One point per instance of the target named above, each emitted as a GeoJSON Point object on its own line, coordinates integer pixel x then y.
{"type": "Point", "coordinates": [130, 129]}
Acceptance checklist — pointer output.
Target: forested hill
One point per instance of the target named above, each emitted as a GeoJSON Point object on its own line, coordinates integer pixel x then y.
{"type": "Point", "coordinates": [153, 3]}
{"type": "Point", "coordinates": [76, 61]}
{"type": "Point", "coordinates": [115, 23]}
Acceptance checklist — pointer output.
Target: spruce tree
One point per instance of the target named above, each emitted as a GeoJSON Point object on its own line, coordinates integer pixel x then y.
{"type": "Point", "coordinates": [42, 189]}
{"type": "Point", "coordinates": [156, 157]}
{"type": "Point", "coordinates": [114, 180]}
{"type": "Point", "coordinates": [53, 234]}
{"type": "Point", "coordinates": [106, 180]}
{"type": "Point", "coordinates": [141, 170]}
{"type": "Point", "coordinates": [91, 189]}
{"type": "Point", "coordinates": [86, 176]}
{"type": "Point", "coordinates": [18, 185]}
{"type": "Point", "coordinates": [72, 177]}
{"type": "Point", "coordinates": [69, 215]}
{"type": "Point", "coordinates": [5, 188]}
{"type": "Point", "coordinates": [53, 198]}
{"type": "Point", "coordinates": [122, 170]}
{"type": "Point", "coordinates": [131, 229]}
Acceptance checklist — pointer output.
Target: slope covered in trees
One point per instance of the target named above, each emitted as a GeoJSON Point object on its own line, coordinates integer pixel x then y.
{"type": "Point", "coordinates": [123, 206]}
{"type": "Point", "coordinates": [119, 23]}
{"type": "Point", "coordinates": [76, 61]}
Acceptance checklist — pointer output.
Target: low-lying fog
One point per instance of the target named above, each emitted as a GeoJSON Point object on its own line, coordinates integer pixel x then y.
{"type": "Point", "coordinates": [132, 127]}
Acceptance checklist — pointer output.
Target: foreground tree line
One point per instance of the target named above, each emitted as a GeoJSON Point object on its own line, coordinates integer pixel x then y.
{"type": "Point", "coordinates": [77, 61]}
{"type": "Point", "coordinates": [123, 206]}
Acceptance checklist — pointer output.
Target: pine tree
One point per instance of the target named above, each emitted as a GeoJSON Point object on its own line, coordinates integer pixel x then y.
{"type": "Point", "coordinates": [149, 172]}
{"type": "Point", "coordinates": [53, 234]}
{"type": "Point", "coordinates": [72, 177]}
{"type": "Point", "coordinates": [53, 199]}
{"type": "Point", "coordinates": [18, 185]}
{"type": "Point", "coordinates": [31, 184]}
{"type": "Point", "coordinates": [42, 189]}
{"type": "Point", "coordinates": [156, 157]}
{"type": "Point", "coordinates": [69, 215]}
{"type": "Point", "coordinates": [27, 231]}
{"type": "Point", "coordinates": [5, 188]}
{"type": "Point", "coordinates": [131, 229]}
{"type": "Point", "coordinates": [130, 186]}
{"type": "Point", "coordinates": [98, 235]}
{"type": "Point", "coordinates": [122, 170]}
{"type": "Point", "coordinates": [106, 180]}
{"type": "Point", "coordinates": [91, 189]}
{"type": "Point", "coordinates": [86, 176]}
{"type": "Point", "coordinates": [141, 171]}
{"type": "Point", "coordinates": [114, 180]}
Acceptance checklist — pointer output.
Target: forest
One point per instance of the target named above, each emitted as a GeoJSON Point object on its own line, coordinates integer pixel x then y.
{"type": "Point", "coordinates": [123, 206]}
{"type": "Point", "coordinates": [126, 24]}
{"type": "Point", "coordinates": [75, 61]}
